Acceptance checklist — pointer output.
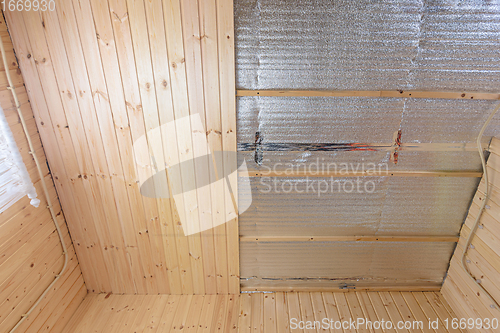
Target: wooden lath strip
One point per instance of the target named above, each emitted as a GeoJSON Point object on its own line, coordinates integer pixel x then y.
{"type": "Point", "coordinates": [369, 93]}
{"type": "Point", "coordinates": [314, 173]}
{"type": "Point", "coordinates": [412, 288]}
{"type": "Point", "coordinates": [357, 146]}
{"type": "Point", "coordinates": [225, 24]}
{"type": "Point", "coordinates": [253, 239]}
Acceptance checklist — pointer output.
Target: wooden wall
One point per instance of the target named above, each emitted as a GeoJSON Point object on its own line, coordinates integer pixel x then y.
{"type": "Point", "coordinates": [462, 294]}
{"type": "Point", "coordinates": [102, 74]}
{"type": "Point", "coordinates": [30, 250]}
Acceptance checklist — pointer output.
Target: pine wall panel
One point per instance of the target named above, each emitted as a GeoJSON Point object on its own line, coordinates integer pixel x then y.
{"type": "Point", "coordinates": [30, 250]}
{"type": "Point", "coordinates": [106, 78]}
{"type": "Point", "coordinates": [483, 257]}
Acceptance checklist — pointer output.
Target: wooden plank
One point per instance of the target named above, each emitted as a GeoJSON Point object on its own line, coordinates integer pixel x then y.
{"type": "Point", "coordinates": [251, 239]}
{"type": "Point", "coordinates": [245, 322]}
{"type": "Point", "coordinates": [175, 242]}
{"type": "Point", "coordinates": [380, 309]}
{"type": "Point", "coordinates": [145, 305]}
{"type": "Point", "coordinates": [418, 313]}
{"type": "Point", "coordinates": [196, 96]}
{"type": "Point", "coordinates": [210, 66]}
{"type": "Point", "coordinates": [52, 68]}
{"type": "Point", "coordinates": [194, 314]}
{"type": "Point", "coordinates": [356, 311]}
{"type": "Point", "coordinates": [319, 311]}
{"type": "Point", "coordinates": [307, 311]}
{"type": "Point", "coordinates": [457, 299]}
{"type": "Point", "coordinates": [482, 269]}
{"type": "Point", "coordinates": [426, 308]}
{"type": "Point", "coordinates": [128, 311]}
{"type": "Point", "coordinates": [439, 308]}
{"type": "Point", "coordinates": [60, 65]}
{"type": "Point", "coordinates": [476, 297]}
{"type": "Point", "coordinates": [257, 313]}
{"type": "Point", "coordinates": [169, 312]}
{"type": "Point", "coordinates": [144, 313]}
{"type": "Point", "coordinates": [368, 310]}
{"type": "Point", "coordinates": [207, 313]}
{"type": "Point", "coordinates": [407, 314]}
{"type": "Point", "coordinates": [416, 173]}
{"type": "Point", "coordinates": [144, 208]}
{"type": "Point", "coordinates": [84, 311]}
{"type": "Point", "coordinates": [282, 319]}
{"type": "Point", "coordinates": [69, 312]}
{"type": "Point", "coordinates": [221, 313]}
{"type": "Point", "coordinates": [181, 314]}
{"type": "Point", "coordinates": [65, 188]}
{"type": "Point", "coordinates": [146, 79]}
{"type": "Point", "coordinates": [269, 313]}
{"type": "Point", "coordinates": [335, 288]}
{"type": "Point", "coordinates": [13, 292]}
{"type": "Point", "coordinates": [98, 128]}
{"type": "Point", "coordinates": [392, 309]}
{"type": "Point", "coordinates": [344, 311]}
{"type": "Point", "coordinates": [184, 184]}
{"type": "Point", "coordinates": [331, 309]}
{"type": "Point", "coordinates": [70, 278]}
{"type": "Point", "coordinates": [294, 312]}
{"type": "Point", "coordinates": [233, 306]}
{"type": "Point", "coordinates": [366, 93]}
{"type": "Point", "coordinates": [495, 146]}
{"type": "Point", "coordinates": [102, 322]}
{"type": "Point", "coordinates": [154, 316]}
{"type": "Point", "coordinates": [227, 85]}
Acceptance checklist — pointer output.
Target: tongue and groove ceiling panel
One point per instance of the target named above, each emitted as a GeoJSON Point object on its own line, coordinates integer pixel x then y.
{"type": "Point", "coordinates": [359, 46]}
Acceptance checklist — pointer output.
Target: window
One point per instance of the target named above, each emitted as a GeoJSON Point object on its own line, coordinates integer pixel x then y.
{"type": "Point", "coordinates": [15, 181]}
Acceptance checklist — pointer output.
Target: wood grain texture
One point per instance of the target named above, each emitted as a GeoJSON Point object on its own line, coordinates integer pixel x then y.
{"type": "Point", "coordinates": [30, 250]}
{"type": "Point", "coordinates": [107, 79]}
{"type": "Point", "coordinates": [462, 294]}
{"type": "Point", "coordinates": [366, 93]}
{"type": "Point", "coordinates": [259, 312]}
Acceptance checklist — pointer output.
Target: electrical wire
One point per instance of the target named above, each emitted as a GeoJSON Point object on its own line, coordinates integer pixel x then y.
{"type": "Point", "coordinates": [44, 186]}
{"type": "Point", "coordinates": [480, 213]}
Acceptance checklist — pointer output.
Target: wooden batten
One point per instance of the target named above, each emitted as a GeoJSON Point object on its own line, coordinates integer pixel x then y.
{"type": "Point", "coordinates": [379, 93]}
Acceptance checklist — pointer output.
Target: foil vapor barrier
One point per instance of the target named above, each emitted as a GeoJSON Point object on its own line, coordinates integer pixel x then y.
{"type": "Point", "coordinates": [368, 45]}
{"type": "Point", "coordinates": [360, 45]}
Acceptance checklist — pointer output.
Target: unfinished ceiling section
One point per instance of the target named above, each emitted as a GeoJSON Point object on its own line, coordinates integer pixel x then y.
{"type": "Point", "coordinates": [105, 79]}
{"type": "Point", "coordinates": [368, 46]}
